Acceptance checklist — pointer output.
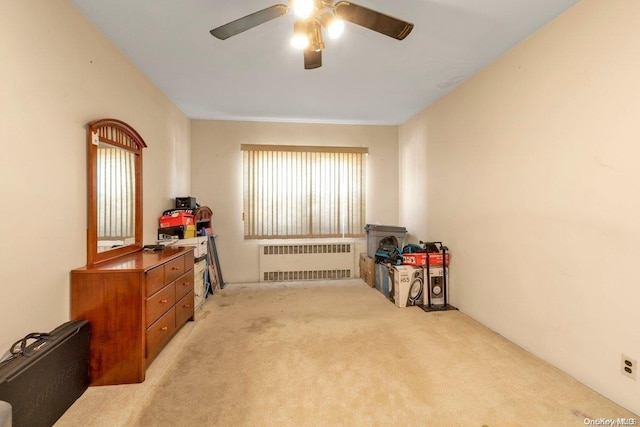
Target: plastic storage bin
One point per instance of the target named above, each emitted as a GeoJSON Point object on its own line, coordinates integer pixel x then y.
{"type": "Point", "coordinates": [375, 233]}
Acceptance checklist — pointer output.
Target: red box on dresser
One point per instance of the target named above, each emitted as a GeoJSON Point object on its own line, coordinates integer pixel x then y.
{"type": "Point", "coordinates": [175, 219]}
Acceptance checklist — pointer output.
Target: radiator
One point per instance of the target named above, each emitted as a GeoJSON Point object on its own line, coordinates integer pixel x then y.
{"type": "Point", "coordinates": [308, 261]}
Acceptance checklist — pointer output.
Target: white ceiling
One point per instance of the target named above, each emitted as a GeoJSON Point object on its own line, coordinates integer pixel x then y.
{"type": "Point", "coordinates": [366, 77]}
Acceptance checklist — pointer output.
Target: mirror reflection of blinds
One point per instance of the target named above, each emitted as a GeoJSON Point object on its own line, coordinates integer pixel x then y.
{"type": "Point", "coordinates": [116, 193]}
{"type": "Point", "coordinates": [303, 192]}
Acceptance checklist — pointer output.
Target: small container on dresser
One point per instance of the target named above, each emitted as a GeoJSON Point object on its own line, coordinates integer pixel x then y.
{"type": "Point", "coordinates": [135, 304]}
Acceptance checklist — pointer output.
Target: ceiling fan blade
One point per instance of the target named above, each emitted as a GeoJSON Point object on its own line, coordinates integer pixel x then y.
{"type": "Point", "coordinates": [312, 59]}
{"type": "Point", "coordinates": [245, 23]}
{"type": "Point", "coordinates": [376, 21]}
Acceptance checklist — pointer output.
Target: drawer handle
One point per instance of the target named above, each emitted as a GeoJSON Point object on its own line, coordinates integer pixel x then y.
{"type": "Point", "coordinates": [164, 301]}
{"type": "Point", "coordinates": [186, 284]}
{"type": "Point", "coordinates": [164, 328]}
{"type": "Point", "coordinates": [175, 268]}
{"type": "Point", "coordinates": [186, 306]}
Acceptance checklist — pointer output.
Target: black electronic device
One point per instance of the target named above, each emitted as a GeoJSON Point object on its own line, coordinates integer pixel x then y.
{"type": "Point", "coordinates": [186, 203]}
{"type": "Point", "coordinates": [153, 247]}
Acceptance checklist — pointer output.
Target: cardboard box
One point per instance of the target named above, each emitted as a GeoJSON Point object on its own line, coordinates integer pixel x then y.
{"type": "Point", "coordinates": [200, 244]}
{"type": "Point", "coordinates": [368, 270]}
{"type": "Point", "coordinates": [408, 285]}
{"type": "Point", "coordinates": [383, 281]}
{"type": "Point", "coordinates": [436, 285]}
{"type": "Point", "coordinates": [176, 219]}
{"type": "Point", "coordinates": [420, 259]}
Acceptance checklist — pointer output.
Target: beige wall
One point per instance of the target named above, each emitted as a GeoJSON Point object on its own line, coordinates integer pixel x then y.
{"type": "Point", "coordinates": [58, 73]}
{"type": "Point", "coordinates": [532, 179]}
{"type": "Point", "coordinates": [217, 177]}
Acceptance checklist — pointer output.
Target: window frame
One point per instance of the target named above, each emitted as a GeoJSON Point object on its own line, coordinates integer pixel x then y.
{"type": "Point", "coordinates": [343, 206]}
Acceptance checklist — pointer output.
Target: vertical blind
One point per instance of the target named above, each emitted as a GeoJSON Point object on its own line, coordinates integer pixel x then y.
{"type": "Point", "coordinates": [116, 190]}
{"type": "Point", "coordinates": [298, 191]}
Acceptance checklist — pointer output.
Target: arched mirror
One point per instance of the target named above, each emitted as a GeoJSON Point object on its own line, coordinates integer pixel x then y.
{"type": "Point", "coordinates": [115, 190]}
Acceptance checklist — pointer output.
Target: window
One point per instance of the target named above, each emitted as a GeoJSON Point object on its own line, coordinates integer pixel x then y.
{"type": "Point", "coordinates": [116, 190]}
{"type": "Point", "coordinates": [299, 192]}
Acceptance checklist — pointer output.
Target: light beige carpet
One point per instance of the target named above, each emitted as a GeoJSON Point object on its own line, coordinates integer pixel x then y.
{"type": "Point", "coordinates": [339, 354]}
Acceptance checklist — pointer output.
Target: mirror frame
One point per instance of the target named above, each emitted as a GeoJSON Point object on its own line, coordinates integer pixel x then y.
{"type": "Point", "coordinates": [121, 135]}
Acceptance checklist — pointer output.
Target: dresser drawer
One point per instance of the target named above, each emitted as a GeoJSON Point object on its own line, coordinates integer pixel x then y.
{"type": "Point", "coordinates": [160, 302]}
{"type": "Point", "coordinates": [154, 280]}
{"type": "Point", "coordinates": [160, 332]}
{"type": "Point", "coordinates": [174, 269]}
{"type": "Point", "coordinates": [184, 284]}
{"type": "Point", "coordinates": [184, 309]}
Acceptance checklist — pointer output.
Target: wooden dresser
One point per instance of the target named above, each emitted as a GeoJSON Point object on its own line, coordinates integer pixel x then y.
{"type": "Point", "coordinates": [135, 304]}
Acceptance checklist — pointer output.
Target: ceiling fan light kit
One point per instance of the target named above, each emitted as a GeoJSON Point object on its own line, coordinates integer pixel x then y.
{"type": "Point", "coordinates": [315, 36]}
{"type": "Point", "coordinates": [300, 38]}
{"type": "Point", "coordinates": [333, 24]}
{"type": "Point", "coordinates": [314, 16]}
{"type": "Point", "coordinates": [303, 8]}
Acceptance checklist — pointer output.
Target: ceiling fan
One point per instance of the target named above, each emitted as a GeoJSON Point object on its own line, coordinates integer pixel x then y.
{"type": "Point", "coordinates": [313, 17]}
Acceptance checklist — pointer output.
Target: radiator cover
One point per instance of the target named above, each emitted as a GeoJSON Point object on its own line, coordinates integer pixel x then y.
{"type": "Point", "coordinates": [307, 261]}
